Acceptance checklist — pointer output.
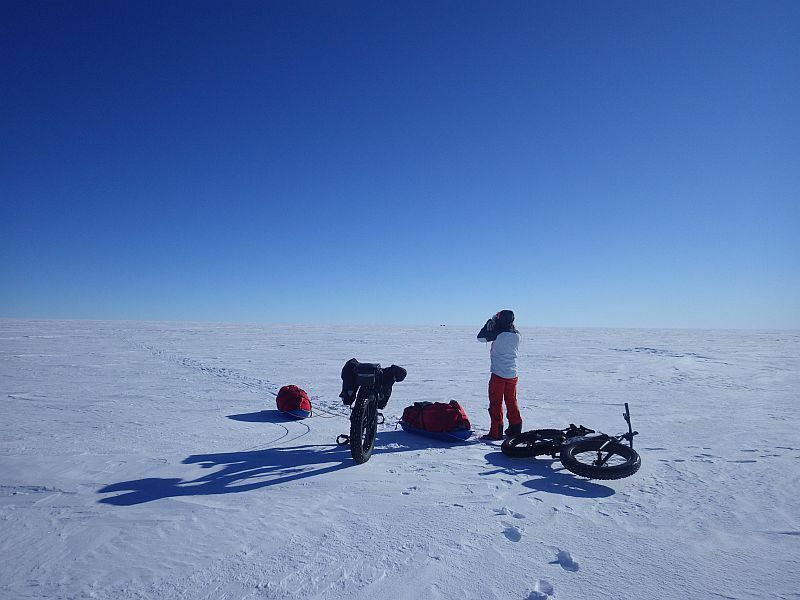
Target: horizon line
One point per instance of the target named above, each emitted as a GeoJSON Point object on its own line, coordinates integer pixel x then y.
{"type": "Point", "coordinates": [393, 325]}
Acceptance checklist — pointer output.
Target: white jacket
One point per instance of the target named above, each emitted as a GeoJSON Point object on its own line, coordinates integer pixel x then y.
{"type": "Point", "coordinates": [504, 352]}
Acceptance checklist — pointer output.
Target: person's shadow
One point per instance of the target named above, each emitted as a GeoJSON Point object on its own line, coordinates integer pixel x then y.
{"type": "Point", "coordinates": [252, 470]}
{"type": "Point", "coordinates": [547, 475]}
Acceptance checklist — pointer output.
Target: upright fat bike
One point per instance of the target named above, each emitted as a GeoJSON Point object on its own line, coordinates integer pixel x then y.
{"type": "Point", "coordinates": [366, 387]}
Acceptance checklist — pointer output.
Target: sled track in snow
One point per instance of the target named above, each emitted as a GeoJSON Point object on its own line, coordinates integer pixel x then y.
{"type": "Point", "coordinates": [234, 377]}
{"type": "Point", "coordinates": [253, 384]}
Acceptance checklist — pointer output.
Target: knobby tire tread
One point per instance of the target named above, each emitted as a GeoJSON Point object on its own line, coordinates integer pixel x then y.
{"type": "Point", "coordinates": [530, 444]}
{"type": "Point", "coordinates": [632, 460]}
{"type": "Point", "coordinates": [358, 422]}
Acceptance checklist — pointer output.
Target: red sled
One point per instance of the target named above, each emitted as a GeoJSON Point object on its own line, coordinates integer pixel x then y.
{"type": "Point", "coordinates": [293, 402]}
{"type": "Point", "coordinates": [456, 435]}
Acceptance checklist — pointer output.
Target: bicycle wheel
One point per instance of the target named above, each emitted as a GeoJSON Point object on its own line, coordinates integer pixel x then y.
{"type": "Point", "coordinates": [363, 428]}
{"type": "Point", "coordinates": [583, 458]}
{"type": "Point", "coordinates": [533, 443]}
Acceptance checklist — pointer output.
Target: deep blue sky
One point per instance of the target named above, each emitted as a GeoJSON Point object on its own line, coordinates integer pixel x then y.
{"type": "Point", "coordinates": [584, 163]}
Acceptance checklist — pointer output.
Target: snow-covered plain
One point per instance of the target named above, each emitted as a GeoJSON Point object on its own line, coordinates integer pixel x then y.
{"type": "Point", "coordinates": [146, 460]}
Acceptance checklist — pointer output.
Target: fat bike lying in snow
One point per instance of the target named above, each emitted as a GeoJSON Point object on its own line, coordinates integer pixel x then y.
{"type": "Point", "coordinates": [366, 388]}
{"type": "Point", "coordinates": [598, 456]}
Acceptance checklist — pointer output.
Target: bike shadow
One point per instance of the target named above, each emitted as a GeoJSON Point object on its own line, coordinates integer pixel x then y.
{"type": "Point", "coordinates": [249, 470]}
{"type": "Point", "coordinates": [546, 478]}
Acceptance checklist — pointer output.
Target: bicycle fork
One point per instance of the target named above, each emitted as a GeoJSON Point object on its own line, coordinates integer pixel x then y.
{"type": "Point", "coordinates": [601, 460]}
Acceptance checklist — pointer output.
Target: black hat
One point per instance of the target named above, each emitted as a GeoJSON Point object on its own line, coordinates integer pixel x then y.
{"type": "Point", "coordinates": [505, 318]}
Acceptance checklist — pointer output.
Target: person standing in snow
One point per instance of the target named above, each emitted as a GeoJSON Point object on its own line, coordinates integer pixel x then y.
{"type": "Point", "coordinates": [505, 340]}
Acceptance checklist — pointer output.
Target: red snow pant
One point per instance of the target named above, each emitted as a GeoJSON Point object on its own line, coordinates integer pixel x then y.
{"type": "Point", "coordinates": [501, 389]}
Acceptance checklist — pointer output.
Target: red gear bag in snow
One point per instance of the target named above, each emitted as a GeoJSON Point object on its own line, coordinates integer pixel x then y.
{"type": "Point", "coordinates": [291, 397]}
{"type": "Point", "coordinates": [436, 417]}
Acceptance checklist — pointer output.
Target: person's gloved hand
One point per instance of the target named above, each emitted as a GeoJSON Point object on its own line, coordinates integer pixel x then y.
{"type": "Point", "coordinates": [487, 333]}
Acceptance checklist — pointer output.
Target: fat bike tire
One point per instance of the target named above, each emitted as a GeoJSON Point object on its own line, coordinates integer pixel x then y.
{"type": "Point", "coordinates": [533, 443]}
{"type": "Point", "coordinates": [581, 456]}
{"type": "Point", "coordinates": [363, 429]}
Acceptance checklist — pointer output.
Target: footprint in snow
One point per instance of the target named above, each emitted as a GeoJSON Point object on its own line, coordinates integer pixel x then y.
{"type": "Point", "coordinates": [542, 591]}
{"type": "Point", "coordinates": [566, 561]}
{"type": "Point", "coordinates": [512, 532]}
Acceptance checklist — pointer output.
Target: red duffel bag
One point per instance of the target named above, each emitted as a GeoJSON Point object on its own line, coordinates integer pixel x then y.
{"type": "Point", "coordinates": [436, 417]}
{"type": "Point", "coordinates": [292, 398]}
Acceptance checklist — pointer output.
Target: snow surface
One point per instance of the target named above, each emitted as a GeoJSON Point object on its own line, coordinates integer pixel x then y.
{"type": "Point", "coordinates": [146, 460]}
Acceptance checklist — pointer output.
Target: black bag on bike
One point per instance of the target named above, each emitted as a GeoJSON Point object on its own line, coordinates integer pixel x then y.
{"type": "Point", "coordinates": [370, 376]}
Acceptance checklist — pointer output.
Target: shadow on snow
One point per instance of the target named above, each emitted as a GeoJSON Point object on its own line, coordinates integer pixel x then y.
{"type": "Point", "coordinates": [262, 416]}
{"type": "Point", "coordinates": [546, 478]}
{"type": "Point", "coordinates": [252, 470]}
